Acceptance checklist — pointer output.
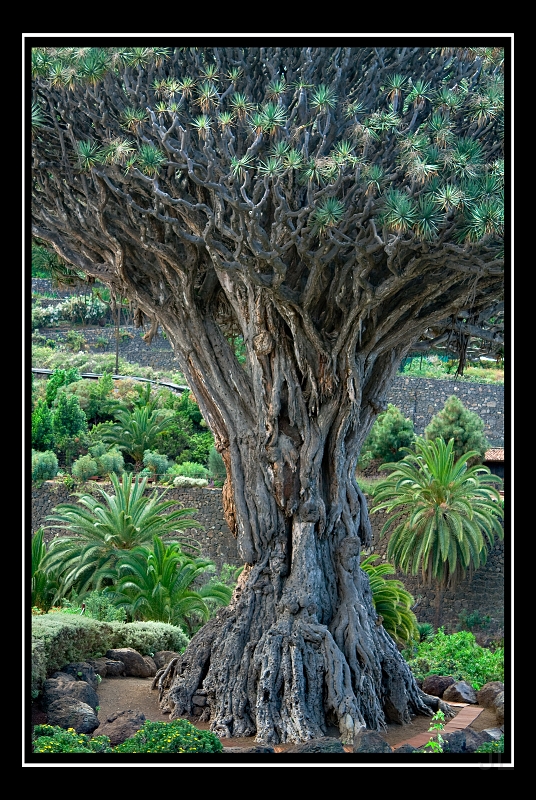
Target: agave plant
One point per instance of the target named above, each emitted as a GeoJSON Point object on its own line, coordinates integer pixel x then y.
{"type": "Point", "coordinates": [276, 88]}
{"type": "Point", "coordinates": [240, 165]}
{"type": "Point", "coordinates": [203, 124]}
{"type": "Point", "coordinates": [271, 167]}
{"type": "Point", "coordinates": [207, 96]}
{"type": "Point", "coordinates": [400, 211]}
{"type": "Point", "coordinates": [133, 118]}
{"type": "Point", "coordinates": [241, 105]}
{"type": "Point", "coordinates": [118, 151]}
{"type": "Point", "coordinates": [393, 86]}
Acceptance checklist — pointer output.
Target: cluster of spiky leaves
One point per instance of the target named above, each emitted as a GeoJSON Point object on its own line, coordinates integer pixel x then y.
{"type": "Point", "coordinates": [426, 149]}
{"type": "Point", "coordinates": [443, 515]}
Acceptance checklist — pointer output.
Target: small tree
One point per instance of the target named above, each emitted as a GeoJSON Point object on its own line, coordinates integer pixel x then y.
{"type": "Point", "coordinates": [42, 431]}
{"type": "Point", "coordinates": [466, 428]}
{"type": "Point", "coordinates": [69, 424]}
{"type": "Point", "coordinates": [390, 432]}
{"type": "Point", "coordinates": [60, 377]}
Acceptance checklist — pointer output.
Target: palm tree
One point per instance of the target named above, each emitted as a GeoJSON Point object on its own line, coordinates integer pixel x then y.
{"type": "Point", "coordinates": [446, 513]}
{"type": "Point", "coordinates": [137, 431]}
{"type": "Point", "coordinates": [162, 584]}
{"type": "Point", "coordinates": [102, 531]}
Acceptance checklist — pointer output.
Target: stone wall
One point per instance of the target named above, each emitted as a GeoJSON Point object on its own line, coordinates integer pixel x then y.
{"type": "Point", "coordinates": [419, 399]}
{"type": "Point", "coordinates": [483, 592]}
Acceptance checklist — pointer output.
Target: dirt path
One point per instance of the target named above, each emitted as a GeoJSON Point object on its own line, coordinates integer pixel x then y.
{"type": "Point", "coordinates": [135, 694]}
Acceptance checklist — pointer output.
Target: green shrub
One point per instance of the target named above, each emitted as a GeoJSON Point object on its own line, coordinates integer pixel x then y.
{"type": "Point", "coordinates": [53, 739]}
{"type": "Point", "coordinates": [178, 736]}
{"type": "Point", "coordinates": [149, 637]}
{"type": "Point", "coordinates": [84, 468]}
{"type": "Point", "coordinates": [42, 432]}
{"type": "Point", "coordinates": [390, 432]}
{"type": "Point", "coordinates": [44, 465]}
{"type": "Point", "coordinates": [156, 463]}
{"type": "Point", "coordinates": [183, 482]}
{"type": "Point", "coordinates": [459, 655]}
{"type": "Point", "coordinates": [492, 747]}
{"type": "Point", "coordinates": [190, 469]}
{"type": "Point", "coordinates": [456, 422]}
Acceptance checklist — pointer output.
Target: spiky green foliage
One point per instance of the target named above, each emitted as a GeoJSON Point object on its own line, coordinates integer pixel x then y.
{"type": "Point", "coordinates": [43, 586]}
{"type": "Point", "coordinates": [102, 528]}
{"type": "Point", "coordinates": [391, 601]}
{"type": "Point", "coordinates": [137, 430]}
{"type": "Point", "coordinates": [164, 584]}
{"type": "Point", "coordinates": [443, 516]}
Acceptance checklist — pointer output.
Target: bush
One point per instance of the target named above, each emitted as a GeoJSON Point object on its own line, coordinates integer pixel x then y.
{"type": "Point", "coordinates": [390, 432]}
{"type": "Point", "coordinates": [459, 655]}
{"type": "Point", "coordinates": [44, 465]}
{"type": "Point", "coordinates": [178, 736]}
{"type": "Point", "coordinates": [182, 482]}
{"type": "Point", "coordinates": [53, 739]}
{"type": "Point", "coordinates": [456, 422]}
{"type": "Point", "coordinates": [84, 468]}
{"type": "Point", "coordinates": [190, 469]}
{"type": "Point", "coordinates": [156, 463]}
{"type": "Point", "coordinates": [492, 747]}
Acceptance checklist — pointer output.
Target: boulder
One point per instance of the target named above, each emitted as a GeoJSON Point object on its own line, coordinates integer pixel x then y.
{"type": "Point", "coordinates": [151, 664]}
{"type": "Point", "coordinates": [436, 684]}
{"type": "Point", "coordinates": [486, 695]}
{"type": "Point", "coordinates": [82, 671]}
{"type": "Point", "coordinates": [325, 744]}
{"type": "Point", "coordinates": [66, 686]}
{"type": "Point", "coordinates": [368, 741]}
{"type": "Point", "coordinates": [68, 712]}
{"type": "Point", "coordinates": [464, 741]}
{"type": "Point", "coordinates": [498, 707]}
{"type": "Point", "coordinates": [405, 748]}
{"type": "Point", "coordinates": [163, 657]}
{"type": "Point", "coordinates": [121, 726]}
{"type": "Point", "coordinates": [459, 692]}
{"type": "Point", "coordinates": [135, 664]}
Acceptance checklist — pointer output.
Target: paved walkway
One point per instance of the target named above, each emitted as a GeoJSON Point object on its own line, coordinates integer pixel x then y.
{"type": "Point", "coordinates": [465, 716]}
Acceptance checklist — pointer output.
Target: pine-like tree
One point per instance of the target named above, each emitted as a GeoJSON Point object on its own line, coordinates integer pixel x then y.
{"type": "Point", "coordinates": [457, 422]}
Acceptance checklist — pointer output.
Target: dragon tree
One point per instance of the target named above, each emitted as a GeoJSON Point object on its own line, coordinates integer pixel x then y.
{"type": "Point", "coordinates": [336, 208]}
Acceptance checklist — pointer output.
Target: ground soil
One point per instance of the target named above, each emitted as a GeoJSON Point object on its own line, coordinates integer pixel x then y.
{"type": "Point", "coordinates": [135, 694]}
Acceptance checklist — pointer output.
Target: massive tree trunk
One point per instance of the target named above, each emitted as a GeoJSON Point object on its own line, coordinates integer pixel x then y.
{"type": "Point", "coordinates": [300, 647]}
